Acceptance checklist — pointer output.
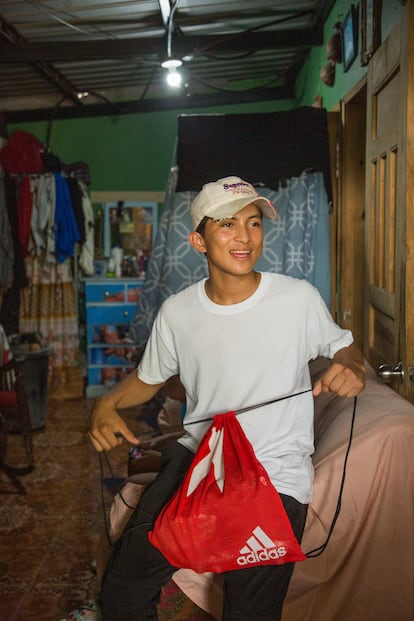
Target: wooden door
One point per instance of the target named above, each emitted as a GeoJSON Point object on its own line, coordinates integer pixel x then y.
{"type": "Point", "coordinates": [389, 293]}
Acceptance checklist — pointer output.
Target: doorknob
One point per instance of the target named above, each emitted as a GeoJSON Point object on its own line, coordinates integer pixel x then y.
{"type": "Point", "coordinates": [388, 372]}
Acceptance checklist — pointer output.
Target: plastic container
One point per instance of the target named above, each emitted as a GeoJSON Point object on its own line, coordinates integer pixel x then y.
{"type": "Point", "coordinates": [32, 348]}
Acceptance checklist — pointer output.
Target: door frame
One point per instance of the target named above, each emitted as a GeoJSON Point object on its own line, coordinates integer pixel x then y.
{"type": "Point", "coordinates": [348, 258]}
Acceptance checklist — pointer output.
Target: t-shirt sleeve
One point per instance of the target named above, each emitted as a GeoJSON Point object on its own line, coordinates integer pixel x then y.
{"type": "Point", "coordinates": [159, 361]}
{"type": "Point", "coordinates": [325, 336]}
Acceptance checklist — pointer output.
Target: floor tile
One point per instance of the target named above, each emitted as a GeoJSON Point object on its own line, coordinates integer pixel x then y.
{"type": "Point", "coordinates": [48, 537]}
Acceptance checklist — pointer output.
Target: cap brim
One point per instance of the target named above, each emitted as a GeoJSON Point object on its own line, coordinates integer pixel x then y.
{"type": "Point", "coordinates": [228, 210]}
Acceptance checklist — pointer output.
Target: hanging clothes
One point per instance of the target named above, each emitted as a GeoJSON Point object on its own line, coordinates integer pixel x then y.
{"type": "Point", "coordinates": [6, 242]}
{"type": "Point", "coordinates": [46, 201]}
{"type": "Point", "coordinates": [66, 229]}
{"type": "Point", "coordinates": [36, 238]}
{"type": "Point", "coordinates": [10, 308]}
{"type": "Point", "coordinates": [87, 254]}
{"type": "Point", "coordinates": [76, 200]}
{"type": "Point", "coordinates": [49, 306]}
{"type": "Point", "coordinates": [5, 351]}
{"type": "Point", "coordinates": [24, 211]}
{"type": "Point", "coordinates": [44, 230]}
{"type": "Point", "coordinates": [45, 299]}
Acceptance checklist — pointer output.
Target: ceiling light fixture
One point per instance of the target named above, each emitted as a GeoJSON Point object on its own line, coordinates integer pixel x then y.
{"type": "Point", "coordinates": [173, 78]}
{"type": "Point", "coordinates": [171, 63]}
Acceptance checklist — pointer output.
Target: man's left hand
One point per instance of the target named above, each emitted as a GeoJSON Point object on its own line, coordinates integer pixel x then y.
{"type": "Point", "coordinates": [345, 376]}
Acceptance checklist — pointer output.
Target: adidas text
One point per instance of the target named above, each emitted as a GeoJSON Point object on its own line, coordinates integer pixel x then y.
{"type": "Point", "coordinates": [262, 555]}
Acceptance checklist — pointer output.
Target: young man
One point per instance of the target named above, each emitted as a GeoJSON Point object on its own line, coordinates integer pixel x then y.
{"type": "Point", "coordinates": [237, 338]}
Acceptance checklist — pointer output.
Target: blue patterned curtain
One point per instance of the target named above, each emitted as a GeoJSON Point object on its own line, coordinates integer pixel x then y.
{"type": "Point", "coordinates": [297, 244]}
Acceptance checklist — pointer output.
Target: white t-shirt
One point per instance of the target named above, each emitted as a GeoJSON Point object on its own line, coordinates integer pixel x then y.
{"type": "Point", "coordinates": [233, 356]}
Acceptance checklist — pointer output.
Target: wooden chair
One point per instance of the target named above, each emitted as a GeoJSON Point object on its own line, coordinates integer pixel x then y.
{"type": "Point", "coordinates": [15, 418]}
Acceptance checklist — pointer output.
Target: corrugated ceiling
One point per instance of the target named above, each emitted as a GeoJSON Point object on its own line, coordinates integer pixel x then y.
{"type": "Point", "coordinates": [85, 57]}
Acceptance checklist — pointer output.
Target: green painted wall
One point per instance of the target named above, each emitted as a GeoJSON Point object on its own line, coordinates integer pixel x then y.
{"type": "Point", "coordinates": [127, 152]}
{"type": "Point", "coordinates": [309, 84]}
{"type": "Point", "coordinates": [133, 152]}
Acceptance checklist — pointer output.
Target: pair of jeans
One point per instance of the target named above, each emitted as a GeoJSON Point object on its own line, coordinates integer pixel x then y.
{"type": "Point", "coordinates": [258, 593]}
{"type": "Point", "coordinates": [137, 571]}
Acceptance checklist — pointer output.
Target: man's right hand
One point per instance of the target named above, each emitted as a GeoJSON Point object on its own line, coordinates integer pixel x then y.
{"type": "Point", "coordinates": [107, 429]}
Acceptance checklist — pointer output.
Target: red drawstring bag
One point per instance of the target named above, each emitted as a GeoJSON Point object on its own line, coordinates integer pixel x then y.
{"type": "Point", "coordinates": [226, 515]}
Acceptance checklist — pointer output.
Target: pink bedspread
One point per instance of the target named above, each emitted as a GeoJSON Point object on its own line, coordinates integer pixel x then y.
{"type": "Point", "coordinates": [367, 571]}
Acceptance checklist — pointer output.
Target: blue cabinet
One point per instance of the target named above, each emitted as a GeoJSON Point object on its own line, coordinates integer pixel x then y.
{"type": "Point", "coordinates": [129, 230]}
{"type": "Point", "coordinates": [110, 306]}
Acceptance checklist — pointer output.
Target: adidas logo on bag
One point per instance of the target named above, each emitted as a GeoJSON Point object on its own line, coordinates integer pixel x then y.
{"type": "Point", "coordinates": [259, 547]}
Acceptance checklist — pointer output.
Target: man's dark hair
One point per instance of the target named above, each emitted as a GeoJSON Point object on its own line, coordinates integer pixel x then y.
{"type": "Point", "coordinates": [202, 226]}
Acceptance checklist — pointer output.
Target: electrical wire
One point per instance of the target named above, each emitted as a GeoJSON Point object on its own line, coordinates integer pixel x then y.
{"type": "Point", "coordinates": [232, 90]}
{"type": "Point", "coordinates": [50, 122]}
{"type": "Point", "coordinates": [318, 551]}
{"type": "Point", "coordinates": [56, 107]}
{"type": "Point", "coordinates": [170, 28]}
{"type": "Point", "coordinates": [236, 35]}
{"type": "Point", "coordinates": [62, 21]}
{"type": "Point", "coordinates": [147, 86]}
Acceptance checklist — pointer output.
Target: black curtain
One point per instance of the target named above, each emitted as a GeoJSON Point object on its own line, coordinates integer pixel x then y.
{"type": "Point", "coordinates": [263, 148]}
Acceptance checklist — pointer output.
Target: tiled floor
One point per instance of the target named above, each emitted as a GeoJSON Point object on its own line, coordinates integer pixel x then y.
{"type": "Point", "coordinates": [48, 537]}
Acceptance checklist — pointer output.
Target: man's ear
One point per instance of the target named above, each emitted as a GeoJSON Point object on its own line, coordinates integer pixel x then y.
{"type": "Point", "coordinates": [197, 241]}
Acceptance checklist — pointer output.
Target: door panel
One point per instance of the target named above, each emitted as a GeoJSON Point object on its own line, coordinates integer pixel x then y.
{"type": "Point", "coordinates": [388, 233]}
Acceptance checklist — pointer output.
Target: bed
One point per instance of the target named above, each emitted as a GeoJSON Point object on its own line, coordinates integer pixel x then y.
{"type": "Point", "coordinates": [366, 572]}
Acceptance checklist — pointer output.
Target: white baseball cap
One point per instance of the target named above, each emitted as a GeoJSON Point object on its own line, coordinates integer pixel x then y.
{"type": "Point", "coordinates": [225, 197]}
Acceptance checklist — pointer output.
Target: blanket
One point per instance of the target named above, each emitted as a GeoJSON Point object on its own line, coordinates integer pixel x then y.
{"type": "Point", "coordinates": [367, 570]}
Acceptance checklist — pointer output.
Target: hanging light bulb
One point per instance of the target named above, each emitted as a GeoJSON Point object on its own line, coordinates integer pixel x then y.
{"type": "Point", "coordinates": [171, 63]}
{"type": "Point", "coordinates": [173, 78]}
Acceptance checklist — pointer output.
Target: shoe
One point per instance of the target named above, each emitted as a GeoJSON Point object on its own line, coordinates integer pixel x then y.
{"type": "Point", "coordinates": [89, 610]}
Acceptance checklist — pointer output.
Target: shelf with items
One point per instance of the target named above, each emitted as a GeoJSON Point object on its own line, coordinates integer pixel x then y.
{"type": "Point", "coordinates": [110, 306]}
{"type": "Point", "coordinates": [127, 232]}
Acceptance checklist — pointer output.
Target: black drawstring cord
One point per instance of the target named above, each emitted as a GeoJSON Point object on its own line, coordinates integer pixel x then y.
{"type": "Point", "coordinates": [317, 551]}
{"type": "Point", "coordinates": [105, 518]}
{"type": "Point", "coordinates": [203, 420]}
{"type": "Point", "coordinates": [312, 553]}
{"type": "Point", "coordinates": [248, 408]}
